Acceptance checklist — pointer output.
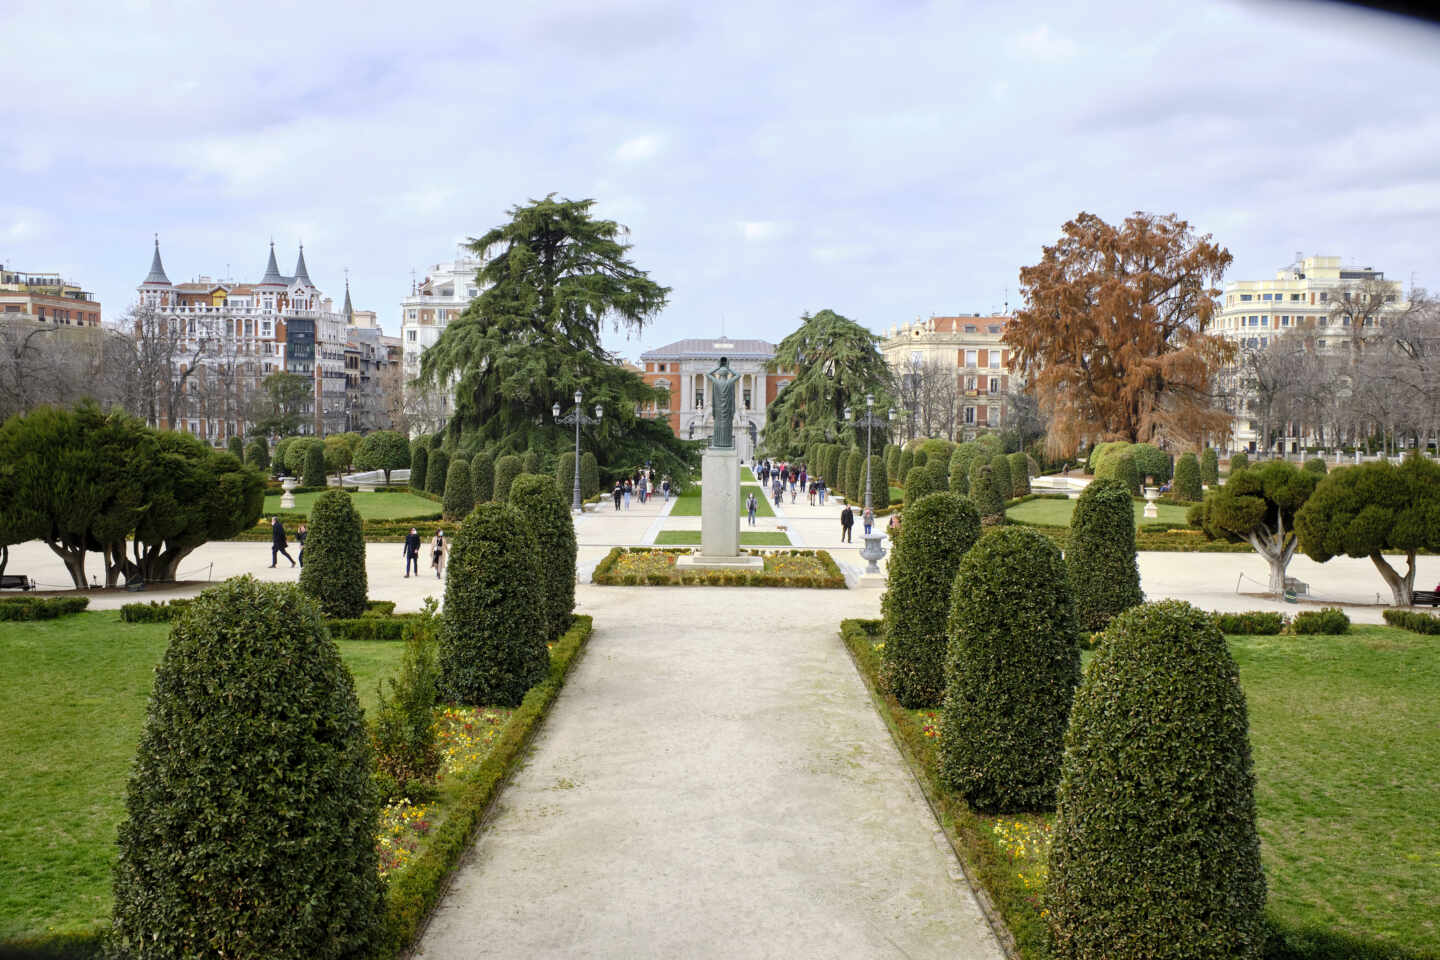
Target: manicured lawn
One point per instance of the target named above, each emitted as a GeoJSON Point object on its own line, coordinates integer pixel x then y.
{"type": "Point", "coordinates": [1346, 757]}
{"type": "Point", "coordinates": [688, 504]}
{"type": "Point", "coordinates": [1056, 513]}
{"type": "Point", "coordinates": [371, 506]}
{"type": "Point", "coordinates": [765, 538]}
{"type": "Point", "coordinates": [72, 705]}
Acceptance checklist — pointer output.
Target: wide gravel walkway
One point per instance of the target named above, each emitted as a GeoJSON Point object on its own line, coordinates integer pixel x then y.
{"type": "Point", "coordinates": [712, 782]}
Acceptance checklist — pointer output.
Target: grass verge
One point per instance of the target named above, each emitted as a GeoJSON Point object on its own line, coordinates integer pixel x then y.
{"type": "Point", "coordinates": [1341, 730]}
{"type": "Point", "coordinates": [762, 538]}
{"type": "Point", "coordinates": [687, 504]}
{"type": "Point", "coordinates": [371, 506]}
{"type": "Point", "coordinates": [1056, 513]}
{"type": "Point", "coordinates": [655, 567]}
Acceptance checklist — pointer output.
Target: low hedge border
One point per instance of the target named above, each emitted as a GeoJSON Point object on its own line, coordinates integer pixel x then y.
{"type": "Point", "coordinates": [1172, 541]}
{"type": "Point", "coordinates": [41, 608]}
{"type": "Point", "coordinates": [1253, 623]}
{"type": "Point", "coordinates": [413, 893]}
{"type": "Point", "coordinates": [374, 531]}
{"type": "Point", "coordinates": [604, 574]}
{"type": "Point", "coordinates": [1414, 622]}
{"type": "Point", "coordinates": [379, 622]}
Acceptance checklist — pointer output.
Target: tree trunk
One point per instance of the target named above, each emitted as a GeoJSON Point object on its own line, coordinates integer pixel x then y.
{"type": "Point", "coordinates": [74, 560]}
{"type": "Point", "coordinates": [1277, 548]}
{"type": "Point", "coordinates": [1402, 589]}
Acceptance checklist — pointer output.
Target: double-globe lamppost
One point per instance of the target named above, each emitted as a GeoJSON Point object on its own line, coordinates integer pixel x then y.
{"type": "Point", "coordinates": [872, 551]}
{"type": "Point", "coordinates": [577, 416]}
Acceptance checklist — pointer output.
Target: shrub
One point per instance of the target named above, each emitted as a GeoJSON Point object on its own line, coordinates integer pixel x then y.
{"type": "Point", "coordinates": [437, 472]}
{"type": "Point", "coordinates": [939, 529]}
{"type": "Point", "coordinates": [842, 464]}
{"type": "Point", "coordinates": [892, 461]}
{"type": "Point", "coordinates": [1316, 466]}
{"type": "Point", "coordinates": [236, 448]}
{"type": "Point", "coordinates": [1330, 620]}
{"type": "Point", "coordinates": [589, 475]}
{"type": "Point", "coordinates": [437, 441]}
{"type": "Point", "coordinates": [459, 495]}
{"type": "Point", "coordinates": [1019, 475]}
{"type": "Point", "coordinates": [257, 455]}
{"type": "Point", "coordinates": [314, 475]}
{"type": "Point", "coordinates": [1011, 668]}
{"type": "Point", "coordinates": [507, 468]}
{"type": "Point", "coordinates": [41, 608]}
{"type": "Point", "coordinates": [1238, 461]}
{"type": "Point", "coordinates": [937, 448]}
{"type": "Point", "coordinates": [250, 810]}
{"type": "Point", "coordinates": [922, 456]}
{"type": "Point", "coordinates": [1119, 465]}
{"type": "Point", "coordinates": [1259, 623]}
{"type": "Point", "coordinates": [907, 463]}
{"type": "Point", "coordinates": [1100, 559]}
{"type": "Point", "coordinates": [548, 517]}
{"type": "Point", "coordinates": [278, 458]}
{"type": "Point", "coordinates": [855, 477]}
{"type": "Point", "coordinates": [1156, 853]}
{"type": "Point", "coordinates": [1414, 622]}
{"type": "Point", "coordinates": [938, 468]}
{"type": "Point", "coordinates": [960, 462]}
{"type": "Point", "coordinates": [334, 570]}
{"type": "Point", "coordinates": [403, 733]}
{"type": "Point", "coordinates": [917, 486]}
{"type": "Point", "coordinates": [1210, 467]}
{"type": "Point", "coordinates": [492, 643]}
{"type": "Point", "coordinates": [530, 462]}
{"type": "Point", "coordinates": [565, 475]}
{"type": "Point", "coordinates": [1151, 461]}
{"type": "Point", "coordinates": [1101, 450]}
{"type": "Point", "coordinates": [482, 478]}
{"type": "Point", "coordinates": [383, 450]}
{"type": "Point", "coordinates": [1000, 476]}
{"type": "Point", "coordinates": [879, 484]}
{"type": "Point", "coordinates": [1187, 477]}
{"type": "Point", "coordinates": [418, 457]}
{"type": "Point", "coordinates": [984, 491]}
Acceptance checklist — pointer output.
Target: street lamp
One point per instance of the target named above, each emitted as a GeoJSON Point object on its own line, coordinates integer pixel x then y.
{"type": "Point", "coordinates": [577, 416]}
{"type": "Point", "coordinates": [872, 551]}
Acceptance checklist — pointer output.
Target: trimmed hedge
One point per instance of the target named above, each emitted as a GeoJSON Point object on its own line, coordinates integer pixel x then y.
{"type": "Point", "coordinates": [565, 476]}
{"type": "Point", "coordinates": [1119, 465]}
{"type": "Point", "coordinates": [1259, 623]}
{"type": "Point", "coordinates": [437, 472]}
{"type": "Point", "coordinates": [1209, 467]}
{"type": "Point", "coordinates": [1239, 461]}
{"type": "Point", "coordinates": [507, 468]}
{"type": "Point", "coordinates": [257, 455]}
{"type": "Point", "coordinates": [1019, 475]}
{"type": "Point", "coordinates": [419, 458]}
{"type": "Point", "coordinates": [892, 461]}
{"type": "Point", "coordinates": [492, 645]}
{"type": "Point", "coordinates": [939, 529]}
{"type": "Point", "coordinates": [1011, 669]}
{"type": "Point", "coordinates": [482, 479]}
{"type": "Point", "coordinates": [334, 568]}
{"type": "Point", "coordinates": [251, 811]}
{"type": "Point", "coordinates": [370, 627]}
{"type": "Point", "coordinates": [314, 475]}
{"type": "Point", "coordinates": [459, 494]}
{"type": "Point", "coordinates": [1187, 477]}
{"type": "Point", "coordinates": [1151, 461]}
{"type": "Point", "coordinates": [938, 468]}
{"type": "Point", "coordinates": [1414, 622]}
{"type": "Point", "coordinates": [906, 463]}
{"type": "Point", "coordinates": [985, 492]}
{"type": "Point", "coordinates": [879, 485]}
{"type": "Point", "coordinates": [1329, 620]}
{"type": "Point", "coordinates": [1155, 851]}
{"type": "Point", "coordinates": [917, 486]}
{"type": "Point", "coordinates": [855, 478]}
{"type": "Point", "coordinates": [1316, 466]}
{"type": "Point", "coordinates": [833, 579]}
{"type": "Point", "coordinates": [548, 518]}
{"type": "Point", "coordinates": [1000, 477]}
{"type": "Point", "coordinates": [1100, 559]}
{"type": "Point", "coordinates": [155, 612]}
{"type": "Point", "coordinates": [530, 462]}
{"type": "Point", "coordinates": [589, 476]}
{"type": "Point", "coordinates": [41, 608]}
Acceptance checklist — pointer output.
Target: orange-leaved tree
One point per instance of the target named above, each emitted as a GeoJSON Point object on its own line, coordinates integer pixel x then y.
{"type": "Point", "coordinates": [1112, 338]}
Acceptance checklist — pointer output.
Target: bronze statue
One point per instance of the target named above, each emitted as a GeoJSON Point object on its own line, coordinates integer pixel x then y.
{"type": "Point", "coordinates": [722, 390]}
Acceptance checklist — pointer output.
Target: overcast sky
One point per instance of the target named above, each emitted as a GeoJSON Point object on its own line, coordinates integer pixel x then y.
{"type": "Point", "coordinates": [885, 160]}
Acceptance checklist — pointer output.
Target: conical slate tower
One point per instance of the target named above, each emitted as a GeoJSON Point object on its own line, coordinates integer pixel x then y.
{"type": "Point", "coordinates": [349, 310]}
{"type": "Point", "coordinates": [301, 273]}
{"type": "Point", "coordinates": [272, 271]}
{"type": "Point", "coordinates": [157, 269]}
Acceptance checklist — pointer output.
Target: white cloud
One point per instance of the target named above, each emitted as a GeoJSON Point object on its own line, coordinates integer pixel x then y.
{"type": "Point", "coordinates": [639, 149]}
{"type": "Point", "coordinates": [760, 231]}
{"type": "Point", "coordinates": [1041, 44]}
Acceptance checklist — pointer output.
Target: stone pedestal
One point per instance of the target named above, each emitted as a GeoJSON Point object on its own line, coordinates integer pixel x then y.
{"type": "Point", "coordinates": [1152, 512]}
{"type": "Point", "coordinates": [287, 499]}
{"type": "Point", "coordinates": [720, 515]}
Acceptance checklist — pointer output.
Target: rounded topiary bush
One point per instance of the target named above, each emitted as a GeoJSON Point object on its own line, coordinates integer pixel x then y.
{"type": "Point", "coordinates": [1151, 461]}
{"type": "Point", "coordinates": [939, 529]}
{"type": "Point", "coordinates": [250, 811]}
{"type": "Point", "coordinates": [1210, 467]}
{"type": "Point", "coordinates": [437, 472]}
{"type": "Point", "coordinates": [1019, 474]}
{"type": "Point", "coordinates": [906, 463]}
{"type": "Point", "coordinates": [530, 462]}
{"type": "Point", "coordinates": [1156, 853]}
{"type": "Point", "coordinates": [1316, 466]}
{"type": "Point", "coordinates": [1100, 558]}
{"type": "Point", "coordinates": [1011, 667]}
{"type": "Point", "coordinates": [334, 570]}
{"type": "Point", "coordinates": [482, 477]}
{"type": "Point", "coordinates": [492, 642]}
{"type": "Point", "coordinates": [314, 475]}
{"type": "Point", "coordinates": [459, 494]}
{"type": "Point", "coordinates": [1119, 465]}
{"type": "Point", "coordinates": [565, 476]}
{"type": "Point", "coordinates": [1000, 476]}
{"type": "Point", "coordinates": [419, 457]}
{"type": "Point", "coordinates": [842, 464]}
{"type": "Point", "coordinates": [1238, 461]}
{"type": "Point", "coordinates": [855, 477]}
{"type": "Point", "coordinates": [548, 517]}
{"type": "Point", "coordinates": [589, 475]}
{"type": "Point", "coordinates": [917, 486]}
{"type": "Point", "coordinates": [938, 468]}
{"type": "Point", "coordinates": [1187, 478]}
{"type": "Point", "coordinates": [507, 468]}
{"type": "Point", "coordinates": [985, 492]}
{"type": "Point", "coordinates": [257, 455]}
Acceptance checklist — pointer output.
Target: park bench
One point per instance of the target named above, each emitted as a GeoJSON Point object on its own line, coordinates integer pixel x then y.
{"type": "Point", "coordinates": [1424, 598]}
{"type": "Point", "coordinates": [16, 581]}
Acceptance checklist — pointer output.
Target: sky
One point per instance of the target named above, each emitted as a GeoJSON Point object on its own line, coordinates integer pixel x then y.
{"type": "Point", "coordinates": [888, 161]}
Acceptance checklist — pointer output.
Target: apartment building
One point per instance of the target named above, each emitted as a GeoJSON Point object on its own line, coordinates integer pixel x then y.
{"type": "Point", "coordinates": [433, 303]}
{"type": "Point", "coordinates": [46, 298]}
{"type": "Point", "coordinates": [953, 373]}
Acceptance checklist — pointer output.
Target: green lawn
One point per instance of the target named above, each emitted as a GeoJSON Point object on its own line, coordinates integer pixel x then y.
{"type": "Point", "coordinates": [1056, 513]}
{"type": "Point", "coordinates": [372, 506]}
{"type": "Point", "coordinates": [759, 538]}
{"type": "Point", "coordinates": [688, 503]}
{"type": "Point", "coordinates": [72, 704]}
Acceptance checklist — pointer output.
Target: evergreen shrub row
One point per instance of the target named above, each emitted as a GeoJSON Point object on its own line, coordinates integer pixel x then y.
{"type": "Point", "coordinates": [1260, 623]}
{"type": "Point", "coordinates": [1329, 620]}
{"type": "Point", "coordinates": [1100, 555]}
{"type": "Point", "coordinates": [1414, 622]}
{"type": "Point", "coordinates": [41, 608]}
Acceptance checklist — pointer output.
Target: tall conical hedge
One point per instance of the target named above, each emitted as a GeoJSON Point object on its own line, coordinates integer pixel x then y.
{"type": "Point", "coordinates": [1238, 461]}
{"type": "Point", "coordinates": [1019, 474]}
{"type": "Point", "coordinates": [907, 463]}
{"type": "Point", "coordinates": [482, 477]}
{"type": "Point", "coordinates": [459, 494]}
{"type": "Point", "coordinates": [589, 475]}
{"type": "Point", "coordinates": [251, 810]}
{"type": "Point", "coordinates": [1011, 669]}
{"type": "Point", "coordinates": [879, 484]}
{"type": "Point", "coordinates": [565, 477]}
{"type": "Point", "coordinates": [938, 467]}
{"type": "Point", "coordinates": [1156, 853]}
{"type": "Point", "coordinates": [1100, 556]}
{"type": "Point", "coordinates": [419, 460]}
{"type": "Point", "coordinates": [507, 468]}
{"type": "Point", "coordinates": [917, 486]}
{"type": "Point", "coordinates": [548, 517]}
{"type": "Point", "coordinates": [257, 455]}
{"type": "Point", "coordinates": [1187, 478]}
{"type": "Point", "coordinates": [985, 492]}
{"type": "Point", "coordinates": [437, 471]}
{"type": "Point", "coordinates": [855, 477]}
{"type": "Point", "coordinates": [530, 462]}
{"type": "Point", "coordinates": [1210, 467]}
{"type": "Point", "coordinates": [842, 470]}
{"type": "Point", "coordinates": [939, 529]}
{"type": "Point", "coordinates": [1000, 476]}
{"type": "Point", "coordinates": [334, 569]}
{"type": "Point", "coordinates": [892, 461]}
{"type": "Point", "coordinates": [314, 475]}
{"type": "Point", "coordinates": [492, 642]}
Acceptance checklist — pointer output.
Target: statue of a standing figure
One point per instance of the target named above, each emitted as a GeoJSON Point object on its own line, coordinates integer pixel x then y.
{"type": "Point", "coordinates": [722, 391]}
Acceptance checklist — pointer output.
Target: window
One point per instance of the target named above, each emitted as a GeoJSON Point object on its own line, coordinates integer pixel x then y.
{"type": "Point", "coordinates": [969, 383]}
{"type": "Point", "coordinates": [412, 335]}
{"type": "Point", "coordinates": [664, 385]}
{"type": "Point", "coordinates": [1320, 344]}
{"type": "Point", "coordinates": [1264, 296]}
{"type": "Point", "coordinates": [970, 415]}
{"type": "Point", "coordinates": [971, 328]}
{"type": "Point", "coordinates": [970, 356]}
{"type": "Point", "coordinates": [1264, 341]}
{"type": "Point", "coordinates": [994, 415]}
{"type": "Point", "coordinates": [995, 328]}
{"type": "Point", "coordinates": [1324, 296]}
{"type": "Point", "coordinates": [410, 315]}
{"type": "Point", "coordinates": [1297, 297]}
{"type": "Point", "coordinates": [994, 384]}
{"type": "Point", "coordinates": [1390, 298]}
{"type": "Point", "coordinates": [994, 359]}
{"type": "Point", "coordinates": [1244, 298]}
{"type": "Point", "coordinates": [1284, 321]}
{"type": "Point", "coordinates": [916, 356]}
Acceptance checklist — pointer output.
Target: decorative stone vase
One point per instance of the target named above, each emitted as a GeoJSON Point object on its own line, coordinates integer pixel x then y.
{"type": "Point", "coordinates": [287, 499]}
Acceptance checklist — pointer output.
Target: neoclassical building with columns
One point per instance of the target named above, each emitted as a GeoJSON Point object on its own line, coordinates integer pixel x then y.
{"type": "Point", "coordinates": [680, 367]}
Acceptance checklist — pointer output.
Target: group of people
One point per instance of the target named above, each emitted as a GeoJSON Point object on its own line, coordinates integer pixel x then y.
{"type": "Point", "coordinates": [439, 548]}
{"type": "Point", "coordinates": [641, 485]}
{"type": "Point", "coordinates": [279, 545]}
{"type": "Point", "coordinates": [779, 476]}
{"type": "Point", "coordinates": [867, 519]}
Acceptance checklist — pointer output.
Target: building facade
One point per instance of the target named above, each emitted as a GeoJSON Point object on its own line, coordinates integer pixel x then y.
{"type": "Point", "coordinates": [370, 358]}
{"type": "Point", "coordinates": [440, 298]}
{"type": "Point", "coordinates": [1335, 307]}
{"type": "Point", "coordinates": [953, 372]}
{"type": "Point", "coordinates": [229, 336]}
{"type": "Point", "coordinates": [46, 298]}
{"type": "Point", "coordinates": [679, 368]}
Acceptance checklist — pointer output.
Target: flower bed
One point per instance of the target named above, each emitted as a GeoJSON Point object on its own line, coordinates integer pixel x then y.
{"type": "Point", "coordinates": [642, 566]}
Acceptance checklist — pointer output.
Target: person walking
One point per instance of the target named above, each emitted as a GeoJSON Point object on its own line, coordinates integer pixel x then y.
{"type": "Point", "coordinates": [868, 518]}
{"type": "Point", "coordinates": [628, 490]}
{"type": "Point", "coordinates": [750, 506]}
{"type": "Point", "coordinates": [617, 493]}
{"type": "Point", "coordinates": [300, 536]}
{"type": "Point", "coordinates": [665, 485]}
{"type": "Point", "coordinates": [438, 550]}
{"type": "Point", "coordinates": [412, 552]}
{"type": "Point", "coordinates": [278, 543]}
{"type": "Point", "coordinates": [778, 491]}
{"type": "Point", "coordinates": [847, 521]}
{"type": "Point", "coordinates": [820, 489]}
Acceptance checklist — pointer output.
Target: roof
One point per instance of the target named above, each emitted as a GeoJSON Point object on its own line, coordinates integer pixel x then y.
{"type": "Point", "coordinates": [157, 269]}
{"type": "Point", "coordinates": [272, 272]}
{"type": "Point", "coordinates": [300, 272]}
{"type": "Point", "coordinates": [706, 348]}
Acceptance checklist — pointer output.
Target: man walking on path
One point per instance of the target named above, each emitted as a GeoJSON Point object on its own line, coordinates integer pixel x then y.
{"type": "Point", "coordinates": [412, 552]}
{"type": "Point", "coordinates": [847, 520]}
{"type": "Point", "coordinates": [278, 543]}
{"type": "Point", "coordinates": [750, 508]}
{"type": "Point", "coordinates": [617, 493]}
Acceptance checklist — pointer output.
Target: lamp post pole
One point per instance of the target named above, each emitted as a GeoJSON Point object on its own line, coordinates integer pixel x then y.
{"type": "Point", "coordinates": [872, 551]}
{"type": "Point", "coordinates": [577, 416]}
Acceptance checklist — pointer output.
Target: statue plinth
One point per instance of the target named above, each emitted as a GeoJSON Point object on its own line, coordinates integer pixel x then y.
{"type": "Point", "coordinates": [720, 515]}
